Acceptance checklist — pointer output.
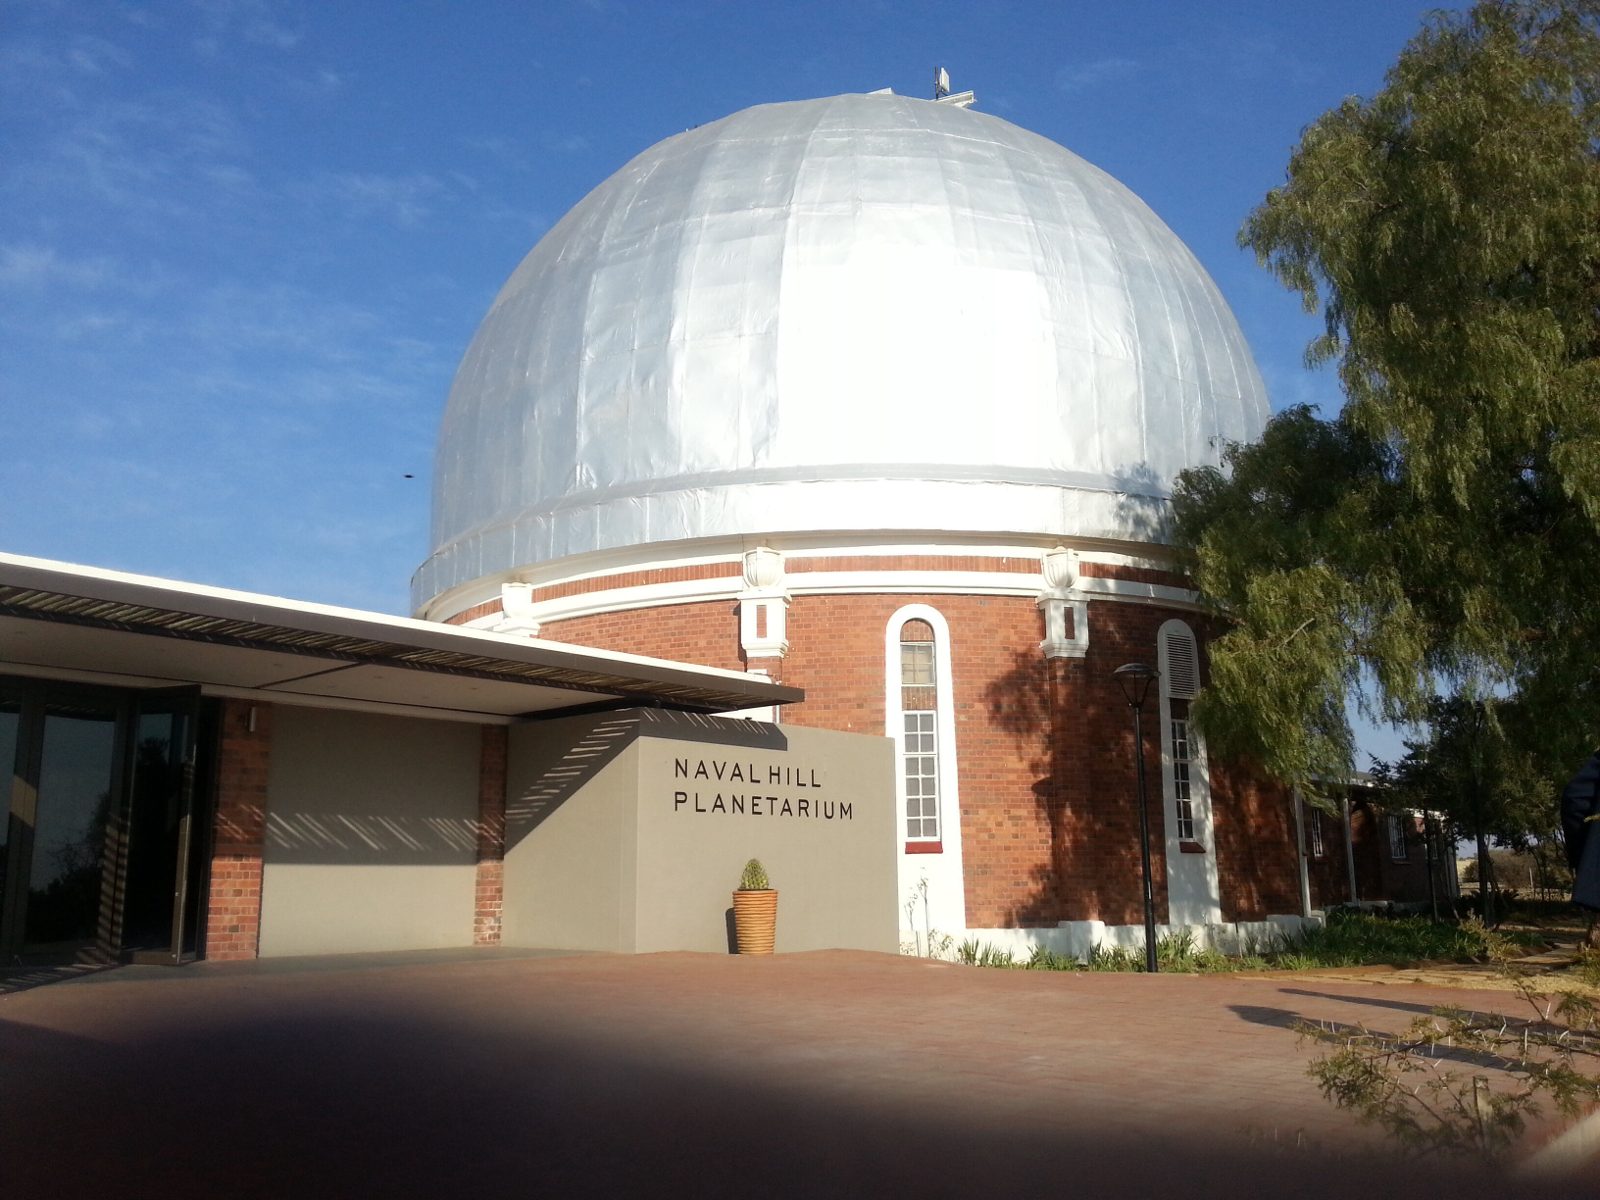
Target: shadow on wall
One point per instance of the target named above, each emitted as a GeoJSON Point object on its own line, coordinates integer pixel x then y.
{"type": "Point", "coordinates": [1095, 864]}
{"type": "Point", "coordinates": [352, 789]}
{"type": "Point", "coordinates": [306, 837]}
{"type": "Point", "coordinates": [1144, 507]}
{"type": "Point", "coordinates": [561, 755]}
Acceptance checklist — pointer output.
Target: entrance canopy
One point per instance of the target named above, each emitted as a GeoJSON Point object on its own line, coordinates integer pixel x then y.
{"type": "Point", "coordinates": [72, 622]}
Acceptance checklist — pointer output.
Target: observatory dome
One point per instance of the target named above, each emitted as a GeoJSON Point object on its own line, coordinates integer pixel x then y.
{"type": "Point", "coordinates": [858, 313]}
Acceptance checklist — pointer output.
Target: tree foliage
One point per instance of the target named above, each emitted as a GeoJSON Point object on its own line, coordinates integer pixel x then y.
{"type": "Point", "coordinates": [1473, 772]}
{"type": "Point", "coordinates": [1443, 531]}
{"type": "Point", "coordinates": [1467, 1082]}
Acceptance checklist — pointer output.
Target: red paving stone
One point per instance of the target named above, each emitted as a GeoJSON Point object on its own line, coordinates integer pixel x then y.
{"type": "Point", "coordinates": [836, 1073]}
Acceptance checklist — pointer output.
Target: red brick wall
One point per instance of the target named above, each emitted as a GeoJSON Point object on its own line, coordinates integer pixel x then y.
{"type": "Point", "coordinates": [1049, 819]}
{"type": "Point", "coordinates": [1256, 858]}
{"type": "Point", "coordinates": [705, 633]}
{"type": "Point", "coordinates": [233, 908]}
{"type": "Point", "coordinates": [491, 836]}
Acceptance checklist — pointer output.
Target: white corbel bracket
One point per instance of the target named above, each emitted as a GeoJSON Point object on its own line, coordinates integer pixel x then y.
{"type": "Point", "coordinates": [763, 606]}
{"type": "Point", "coordinates": [1060, 570]}
{"type": "Point", "coordinates": [516, 611]}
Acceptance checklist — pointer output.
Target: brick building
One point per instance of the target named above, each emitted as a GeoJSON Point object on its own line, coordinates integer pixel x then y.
{"type": "Point", "coordinates": [884, 399]}
{"type": "Point", "coordinates": [1368, 854]}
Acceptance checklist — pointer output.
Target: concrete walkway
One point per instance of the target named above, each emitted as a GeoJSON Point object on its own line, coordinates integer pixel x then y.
{"type": "Point", "coordinates": [836, 1073]}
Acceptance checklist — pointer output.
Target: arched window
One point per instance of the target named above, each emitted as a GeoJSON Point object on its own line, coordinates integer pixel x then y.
{"type": "Point", "coordinates": [919, 743]}
{"type": "Point", "coordinates": [1193, 884]}
{"type": "Point", "coordinates": [1184, 768]}
{"type": "Point", "coordinates": [918, 716]}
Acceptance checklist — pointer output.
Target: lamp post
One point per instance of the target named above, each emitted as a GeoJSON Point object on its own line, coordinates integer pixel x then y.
{"type": "Point", "coordinates": [1136, 679]}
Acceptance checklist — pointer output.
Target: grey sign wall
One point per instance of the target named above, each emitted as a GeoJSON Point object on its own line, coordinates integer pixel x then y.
{"type": "Point", "coordinates": [627, 832]}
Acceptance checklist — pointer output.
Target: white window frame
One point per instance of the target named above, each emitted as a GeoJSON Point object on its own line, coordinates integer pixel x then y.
{"type": "Point", "coordinates": [947, 794]}
{"type": "Point", "coordinates": [1398, 850]}
{"type": "Point", "coordinates": [1199, 775]}
{"type": "Point", "coordinates": [929, 720]}
{"type": "Point", "coordinates": [1314, 830]}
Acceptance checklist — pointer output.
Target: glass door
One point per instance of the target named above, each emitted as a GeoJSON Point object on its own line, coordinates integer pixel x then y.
{"type": "Point", "coordinates": [164, 854]}
{"type": "Point", "coordinates": [103, 848]}
{"type": "Point", "coordinates": [10, 729]}
{"type": "Point", "coordinates": [60, 851]}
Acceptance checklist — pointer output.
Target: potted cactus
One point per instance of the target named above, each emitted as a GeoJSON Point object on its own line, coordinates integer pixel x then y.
{"type": "Point", "coordinates": [755, 910]}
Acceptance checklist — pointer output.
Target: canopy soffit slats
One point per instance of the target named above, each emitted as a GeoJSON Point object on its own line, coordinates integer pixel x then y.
{"type": "Point", "coordinates": [42, 590]}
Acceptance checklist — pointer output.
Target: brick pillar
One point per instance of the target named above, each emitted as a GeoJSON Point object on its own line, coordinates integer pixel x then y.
{"type": "Point", "coordinates": [491, 836]}
{"type": "Point", "coordinates": [233, 908]}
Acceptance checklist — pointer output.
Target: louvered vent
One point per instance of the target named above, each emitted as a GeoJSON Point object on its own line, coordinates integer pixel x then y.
{"type": "Point", "coordinates": [1183, 667]}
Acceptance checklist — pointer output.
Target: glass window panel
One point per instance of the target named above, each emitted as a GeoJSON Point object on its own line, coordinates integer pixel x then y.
{"type": "Point", "coordinates": [920, 772]}
{"type": "Point", "coordinates": [69, 838]}
{"type": "Point", "coordinates": [916, 664]}
{"type": "Point", "coordinates": [10, 721]}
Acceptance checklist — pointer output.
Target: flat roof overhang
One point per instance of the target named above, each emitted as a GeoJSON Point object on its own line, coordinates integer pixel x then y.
{"type": "Point", "coordinates": [81, 622]}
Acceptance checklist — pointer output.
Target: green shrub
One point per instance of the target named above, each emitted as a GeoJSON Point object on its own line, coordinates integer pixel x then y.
{"type": "Point", "coordinates": [980, 954]}
{"type": "Point", "coordinates": [1115, 958]}
{"type": "Point", "coordinates": [754, 878]}
{"type": "Point", "coordinates": [1045, 959]}
{"type": "Point", "coordinates": [1348, 939]}
{"type": "Point", "coordinates": [1354, 939]}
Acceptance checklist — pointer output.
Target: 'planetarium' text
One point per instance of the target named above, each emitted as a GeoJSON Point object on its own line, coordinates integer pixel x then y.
{"type": "Point", "coordinates": [791, 779]}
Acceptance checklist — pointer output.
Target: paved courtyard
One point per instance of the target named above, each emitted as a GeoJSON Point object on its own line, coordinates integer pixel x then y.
{"type": "Point", "coordinates": [836, 1073]}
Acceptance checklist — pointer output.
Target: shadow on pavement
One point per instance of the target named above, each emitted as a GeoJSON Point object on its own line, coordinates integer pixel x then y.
{"type": "Point", "coordinates": [1343, 998]}
{"type": "Point", "coordinates": [332, 1099]}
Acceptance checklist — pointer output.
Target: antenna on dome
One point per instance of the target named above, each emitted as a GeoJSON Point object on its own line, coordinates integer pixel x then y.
{"type": "Point", "coordinates": [941, 91]}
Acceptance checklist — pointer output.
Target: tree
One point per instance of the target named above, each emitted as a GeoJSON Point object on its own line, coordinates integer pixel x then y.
{"type": "Point", "coordinates": [1442, 533]}
{"type": "Point", "coordinates": [1472, 773]}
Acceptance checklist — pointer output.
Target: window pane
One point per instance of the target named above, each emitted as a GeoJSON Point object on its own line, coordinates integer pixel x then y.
{"type": "Point", "coordinates": [919, 769]}
{"type": "Point", "coordinates": [74, 806]}
{"type": "Point", "coordinates": [916, 664]}
{"type": "Point", "coordinates": [10, 718]}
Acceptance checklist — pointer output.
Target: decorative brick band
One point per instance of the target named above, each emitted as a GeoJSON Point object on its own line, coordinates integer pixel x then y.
{"type": "Point", "coordinates": [490, 896]}
{"type": "Point", "coordinates": [233, 905]}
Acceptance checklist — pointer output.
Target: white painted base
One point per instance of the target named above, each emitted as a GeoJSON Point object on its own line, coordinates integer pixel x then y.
{"type": "Point", "coordinates": [1077, 938]}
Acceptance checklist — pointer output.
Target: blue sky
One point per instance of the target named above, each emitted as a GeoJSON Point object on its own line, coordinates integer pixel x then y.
{"type": "Point", "coordinates": [245, 244]}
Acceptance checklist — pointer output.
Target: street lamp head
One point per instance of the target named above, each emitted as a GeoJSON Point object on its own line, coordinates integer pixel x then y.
{"type": "Point", "coordinates": [1135, 679]}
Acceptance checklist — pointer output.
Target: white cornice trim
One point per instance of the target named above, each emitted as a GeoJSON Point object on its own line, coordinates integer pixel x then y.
{"type": "Point", "coordinates": [845, 583]}
{"type": "Point", "coordinates": [793, 546]}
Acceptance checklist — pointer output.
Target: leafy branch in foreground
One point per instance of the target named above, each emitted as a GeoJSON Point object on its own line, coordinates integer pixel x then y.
{"type": "Point", "coordinates": [1467, 1082]}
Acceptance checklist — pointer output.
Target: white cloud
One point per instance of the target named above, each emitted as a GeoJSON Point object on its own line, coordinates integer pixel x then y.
{"type": "Point", "coordinates": [357, 196]}
{"type": "Point", "coordinates": [28, 265]}
{"type": "Point", "coordinates": [1084, 76]}
{"type": "Point", "coordinates": [253, 21]}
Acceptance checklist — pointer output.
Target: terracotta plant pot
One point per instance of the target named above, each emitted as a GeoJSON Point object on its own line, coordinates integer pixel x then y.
{"type": "Point", "coordinates": [755, 920]}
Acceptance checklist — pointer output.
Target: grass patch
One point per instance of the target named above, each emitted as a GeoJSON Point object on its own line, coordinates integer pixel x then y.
{"type": "Point", "coordinates": [1355, 939]}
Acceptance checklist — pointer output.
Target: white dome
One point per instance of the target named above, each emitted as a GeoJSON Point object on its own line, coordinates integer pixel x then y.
{"type": "Point", "coordinates": [866, 312]}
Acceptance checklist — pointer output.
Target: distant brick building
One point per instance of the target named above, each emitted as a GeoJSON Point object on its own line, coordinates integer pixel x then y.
{"type": "Point", "coordinates": [1399, 857]}
{"type": "Point", "coordinates": [884, 398]}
